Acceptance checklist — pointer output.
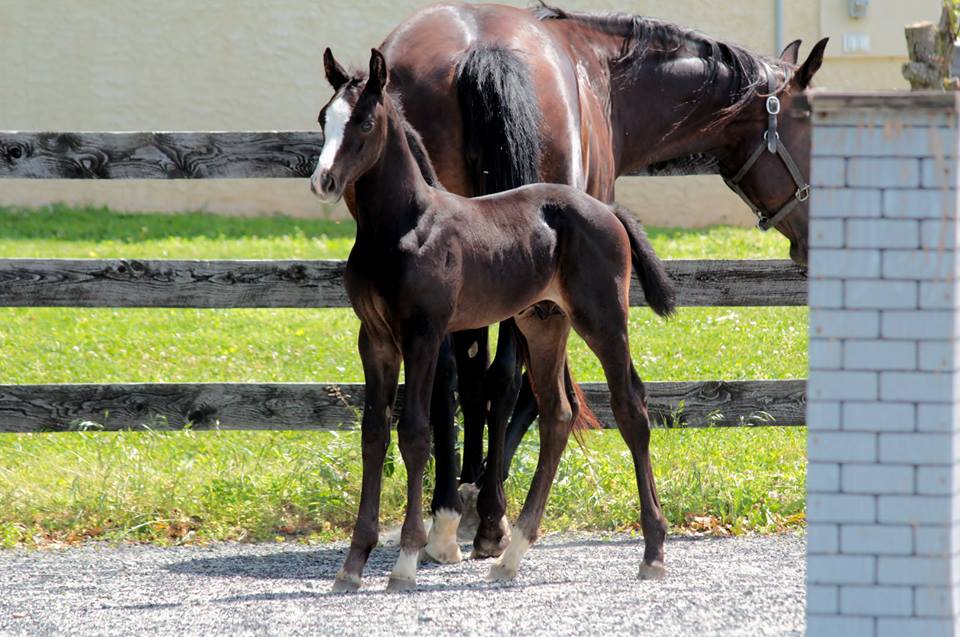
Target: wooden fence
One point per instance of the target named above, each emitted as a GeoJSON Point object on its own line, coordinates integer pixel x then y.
{"type": "Point", "coordinates": [296, 284]}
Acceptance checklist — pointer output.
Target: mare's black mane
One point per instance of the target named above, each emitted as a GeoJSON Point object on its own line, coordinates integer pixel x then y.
{"type": "Point", "coordinates": [643, 36]}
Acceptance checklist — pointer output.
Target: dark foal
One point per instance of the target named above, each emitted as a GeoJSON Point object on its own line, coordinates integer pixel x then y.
{"type": "Point", "coordinates": [427, 263]}
{"type": "Point", "coordinates": [505, 96]}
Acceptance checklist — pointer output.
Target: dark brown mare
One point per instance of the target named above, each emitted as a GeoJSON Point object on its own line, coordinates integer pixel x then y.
{"type": "Point", "coordinates": [427, 262]}
{"type": "Point", "coordinates": [505, 96]}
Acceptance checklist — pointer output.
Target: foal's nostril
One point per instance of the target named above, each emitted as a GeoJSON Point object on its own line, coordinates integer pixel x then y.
{"type": "Point", "coordinates": [329, 183]}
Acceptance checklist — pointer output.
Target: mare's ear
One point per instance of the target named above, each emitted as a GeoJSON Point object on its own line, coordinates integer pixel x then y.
{"type": "Point", "coordinates": [809, 68]}
{"type": "Point", "coordinates": [791, 52]}
{"type": "Point", "coordinates": [377, 80]}
{"type": "Point", "coordinates": [336, 75]}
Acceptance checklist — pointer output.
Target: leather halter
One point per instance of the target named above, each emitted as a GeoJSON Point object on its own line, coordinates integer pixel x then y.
{"type": "Point", "coordinates": [771, 143]}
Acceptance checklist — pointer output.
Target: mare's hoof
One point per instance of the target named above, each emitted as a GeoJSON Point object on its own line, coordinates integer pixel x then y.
{"type": "Point", "coordinates": [398, 585]}
{"type": "Point", "coordinates": [484, 547]}
{"type": "Point", "coordinates": [655, 570]}
{"type": "Point", "coordinates": [501, 573]}
{"type": "Point", "coordinates": [470, 520]}
{"type": "Point", "coordinates": [346, 583]}
{"type": "Point", "coordinates": [442, 554]}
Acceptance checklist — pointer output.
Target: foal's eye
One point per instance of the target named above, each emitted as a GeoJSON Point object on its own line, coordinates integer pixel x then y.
{"type": "Point", "coordinates": [367, 126]}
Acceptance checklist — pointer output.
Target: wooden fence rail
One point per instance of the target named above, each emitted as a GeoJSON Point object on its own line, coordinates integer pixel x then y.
{"type": "Point", "coordinates": [191, 155]}
{"type": "Point", "coordinates": [299, 284]}
{"type": "Point", "coordinates": [36, 408]}
{"type": "Point", "coordinates": [231, 284]}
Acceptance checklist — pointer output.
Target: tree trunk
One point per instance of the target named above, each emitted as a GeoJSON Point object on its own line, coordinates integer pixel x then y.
{"type": "Point", "coordinates": [930, 48]}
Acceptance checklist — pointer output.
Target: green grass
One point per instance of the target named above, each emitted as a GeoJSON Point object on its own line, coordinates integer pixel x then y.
{"type": "Point", "coordinates": [262, 485]}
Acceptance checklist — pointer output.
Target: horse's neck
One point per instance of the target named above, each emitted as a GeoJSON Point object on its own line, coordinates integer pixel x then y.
{"type": "Point", "coordinates": [389, 193]}
{"type": "Point", "coordinates": [661, 113]}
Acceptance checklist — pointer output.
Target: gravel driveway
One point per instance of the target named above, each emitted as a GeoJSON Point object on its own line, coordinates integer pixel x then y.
{"type": "Point", "coordinates": [568, 585]}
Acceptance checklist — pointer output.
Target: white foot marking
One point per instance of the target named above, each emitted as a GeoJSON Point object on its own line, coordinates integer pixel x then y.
{"type": "Point", "coordinates": [473, 349]}
{"type": "Point", "coordinates": [509, 562]}
{"type": "Point", "coordinates": [442, 542]}
{"type": "Point", "coordinates": [406, 567]}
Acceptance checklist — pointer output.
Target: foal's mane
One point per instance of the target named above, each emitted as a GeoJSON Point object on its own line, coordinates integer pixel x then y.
{"type": "Point", "coordinates": [414, 140]}
{"type": "Point", "coordinates": [642, 36]}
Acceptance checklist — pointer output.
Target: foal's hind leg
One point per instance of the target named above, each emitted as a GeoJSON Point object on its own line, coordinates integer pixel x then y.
{"type": "Point", "coordinates": [605, 331]}
{"type": "Point", "coordinates": [546, 345]}
{"type": "Point", "coordinates": [442, 544]}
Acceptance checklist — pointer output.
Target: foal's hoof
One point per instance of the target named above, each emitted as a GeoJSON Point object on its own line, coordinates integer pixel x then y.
{"type": "Point", "coordinates": [346, 583]}
{"type": "Point", "coordinates": [399, 584]}
{"type": "Point", "coordinates": [501, 573]}
{"type": "Point", "coordinates": [654, 570]}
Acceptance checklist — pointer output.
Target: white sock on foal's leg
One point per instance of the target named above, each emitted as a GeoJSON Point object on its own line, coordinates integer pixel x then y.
{"type": "Point", "coordinates": [508, 564]}
{"type": "Point", "coordinates": [404, 575]}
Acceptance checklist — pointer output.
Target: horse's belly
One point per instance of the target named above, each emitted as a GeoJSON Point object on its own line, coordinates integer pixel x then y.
{"type": "Point", "coordinates": [496, 301]}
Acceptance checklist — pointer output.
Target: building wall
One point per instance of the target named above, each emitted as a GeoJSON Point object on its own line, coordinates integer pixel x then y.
{"type": "Point", "coordinates": [244, 64]}
{"type": "Point", "coordinates": [883, 411]}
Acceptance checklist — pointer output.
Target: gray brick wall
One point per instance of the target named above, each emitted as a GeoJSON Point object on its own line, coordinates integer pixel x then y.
{"type": "Point", "coordinates": [883, 513]}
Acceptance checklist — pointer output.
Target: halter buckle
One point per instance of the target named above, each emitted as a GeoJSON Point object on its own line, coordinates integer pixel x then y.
{"type": "Point", "coordinates": [773, 105]}
{"type": "Point", "coordinates": [771, 141]}
{"type": "Point", "coordinates": [803, 192]}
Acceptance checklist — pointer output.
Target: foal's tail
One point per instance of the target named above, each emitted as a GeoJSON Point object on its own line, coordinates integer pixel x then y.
{"type": "Point", "coordinates": [657, 286]}
{"type": "Point", "coordinates": [501, 119]}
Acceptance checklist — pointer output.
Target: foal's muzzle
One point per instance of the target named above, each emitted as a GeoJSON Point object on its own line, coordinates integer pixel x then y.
{"type": "Point", "coordinates": [325, 186]}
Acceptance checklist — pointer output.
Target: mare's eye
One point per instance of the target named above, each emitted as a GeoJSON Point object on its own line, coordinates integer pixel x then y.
{"type": "Point", "coordinates": [367, 126]}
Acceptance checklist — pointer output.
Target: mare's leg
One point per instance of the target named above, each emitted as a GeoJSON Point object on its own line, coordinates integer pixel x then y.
{"type": "Point", "coordinates": [381, 368]}
{"type": "Point", "coordinates": [472, 359]}
{"type": "Point", "coordinates": [501, 386]}
{"type": "Point", "coordinates": [442, 544]}
{"type": "Point", "coordinates": [604, 328]}
{"type": "Point", "coordinates": [546, 344]}
{"type": "Point", "coordinates": [421, 344]}
{"type": "Point", "coordinates": [523, 416]}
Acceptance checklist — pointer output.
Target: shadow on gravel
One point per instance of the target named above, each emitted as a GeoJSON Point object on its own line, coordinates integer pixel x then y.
{"type": "Point", "coordinates": [319, 564]}
{"type": "Point", "coordinates": [622, 541]}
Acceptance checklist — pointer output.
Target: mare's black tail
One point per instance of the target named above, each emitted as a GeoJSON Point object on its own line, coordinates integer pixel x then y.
{"type": "Point", "coordinates": [501, 119]}
{"type": "Point", "coordinates": [656, 284]}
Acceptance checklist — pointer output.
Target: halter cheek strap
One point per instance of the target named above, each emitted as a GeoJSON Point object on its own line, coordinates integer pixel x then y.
{"type": "Point", "coordinates": [771, 144]}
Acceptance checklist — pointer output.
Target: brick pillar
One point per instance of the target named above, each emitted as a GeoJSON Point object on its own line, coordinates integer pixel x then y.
{"type": "Point", "coordinates": [883, 413]}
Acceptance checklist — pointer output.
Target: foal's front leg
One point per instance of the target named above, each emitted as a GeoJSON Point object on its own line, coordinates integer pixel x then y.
{"type": "Point", "coordinates": [420, 348]}
{"type": "Point", "coordinates": [381, 368]}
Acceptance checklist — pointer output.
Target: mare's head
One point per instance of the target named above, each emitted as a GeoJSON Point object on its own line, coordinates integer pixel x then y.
{"type": "Point", "coordinates": [768, 181]}
{"type": "Point", "coordinates": [354, 124]}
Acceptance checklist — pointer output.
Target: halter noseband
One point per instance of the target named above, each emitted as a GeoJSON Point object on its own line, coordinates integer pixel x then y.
{"type": "Point", "coordinates": [771, 143]}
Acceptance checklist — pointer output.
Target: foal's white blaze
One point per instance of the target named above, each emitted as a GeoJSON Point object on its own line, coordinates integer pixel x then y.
{"type": "Point", "coordinates": [337, 116]}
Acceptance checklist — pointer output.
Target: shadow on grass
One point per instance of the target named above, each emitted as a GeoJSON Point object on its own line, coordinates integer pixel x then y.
{"type": "Point", "coordinates": [67, 223]}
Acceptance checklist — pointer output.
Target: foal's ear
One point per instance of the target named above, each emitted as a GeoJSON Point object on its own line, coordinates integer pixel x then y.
{"type": "Point", "coordinates": [336, 75]}
{"type": "Point", "coordinates": [378, 71]}
{"type": "Point", "coordinates": [791, 52]}
{"type": "Point", "coordinates": [809, 68]}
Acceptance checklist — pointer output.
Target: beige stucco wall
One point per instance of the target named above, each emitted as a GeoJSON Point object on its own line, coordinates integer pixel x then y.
{"type": "Point", "coordinates": [247, 64]}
